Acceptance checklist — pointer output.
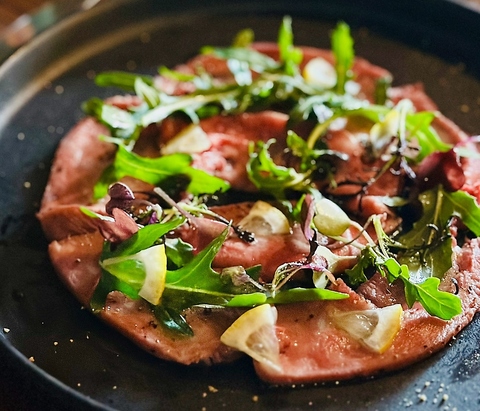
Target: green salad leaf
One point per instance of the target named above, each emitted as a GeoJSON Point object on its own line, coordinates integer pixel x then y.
{"type": "Point", "coordinates": [438, 303]}
{"type": "Point", "coordinates": [127, 281]}
{"type": "Point", "coordinates": [342, 47]}
{"type": "Point", "coordinates": [157, 170]}
{"type": "Point", "coordinates": [427, 248]}
{"type": "Point", "coordinates": [121, 79]}
{"type": "Point", "coordinates": [270, 177]}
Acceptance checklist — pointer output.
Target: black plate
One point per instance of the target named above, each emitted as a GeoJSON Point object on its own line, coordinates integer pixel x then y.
{"type": "Point", "coordinates": [62, 355]}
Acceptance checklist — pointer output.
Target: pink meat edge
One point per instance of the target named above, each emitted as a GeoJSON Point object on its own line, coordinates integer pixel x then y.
{"type": "Point", "coordinates": [333, 355]}
{"type": "Point", "coordinates": [75, 259]}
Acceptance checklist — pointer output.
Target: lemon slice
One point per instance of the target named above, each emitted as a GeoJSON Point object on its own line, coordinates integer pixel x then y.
{"type": "Point", "coordinates": [375, 328]}
{"type": "Point", "coordinates": [320, 72]}
{"type": "Point", "coordinates": [254, 334]}
{"type": "Point", "coordinates": [144, 271]}
{"type": "Point", "coordinates": [329, 218]}
{"type": "Point", "coordinates": [265, 219]}
{"type": "Point", "coordinates": [190, 140]}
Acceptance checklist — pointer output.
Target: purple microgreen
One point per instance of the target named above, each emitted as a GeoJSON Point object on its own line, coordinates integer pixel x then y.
{"type": "Point", "coordinates": [120, 197]}
{"type": "Point", "coordinates": [116, 229]}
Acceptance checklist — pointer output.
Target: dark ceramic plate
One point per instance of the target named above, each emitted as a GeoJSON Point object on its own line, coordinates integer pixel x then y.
{"type": "Point", "coordinates": [53, 354]}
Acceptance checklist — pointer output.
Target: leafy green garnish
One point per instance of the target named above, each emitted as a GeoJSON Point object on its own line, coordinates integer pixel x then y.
{"type": "Point", "coordinates": [178, 251]}
{"type": "Point", "coordinates": [255, 60]}
{"type": "Point", "coordinates": [342, 47]}
{"type": "Point", "coordinates": [122, 123]}
{"type": "Point", "coordinates": [121, 79]}
{"type": "Point", "coordinates": [244, 38]}
{"type": "Point", "coordinates": [295, 295]}
{"type": "Point", "coordinates": [424, 290]}
{"type": "Point", "coordinates": [418, 124]}
{"type": "Point", "coordinates": [157, 170]}
{"type": "Point", "coordinates": [142, 239]}
{"type": "Point", "coordinates": [438, 303]}
{"type": "Point", "coordinates": [272, 178]}
{"type": "Point", "coordinates": [427, 248]}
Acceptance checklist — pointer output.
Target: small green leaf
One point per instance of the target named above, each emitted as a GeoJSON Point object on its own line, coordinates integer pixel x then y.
{"type": "Point", "coordinates": [342, 47]}
{"type": "Point", "coordinates": [427, 248]}
{"type": "Point", "coordinates": [441, 304]}
{"type": "Point", "coordinates": [247, 300]}
{"type": "Point", "coordinates": [146, 92]}
{"type": "Point", "coordinates": [121, 79]}
{"type": "Point", "coordinates": [294, 295]}
{"type": "Point", "coordinates": [122, 124]}
{"type": "Point", "coordinates": [419, 127]}
{"type": "Point", "coordinates": [358, 273]}
{"type": "Point", "coordinates": [178, 251]}
{"type": "Point", "coordinates": [270, 177]}
{"type": "Point", "coordinates": [244, 38]}
{"type": "Point", "coordinates": [142, 239]}
{"type": "Point", "coordinates": [257, 61]}
{"type": "Point", "coordinates": [465, 206]}
{"type": "Point", "coordinates": [157, 170]}
{"type": "Point", "coordinates": [290, 56]}
{"type": "Point", "coordinates": [438, 303]}
{"type": "Point", "coordinates": [172, 321]}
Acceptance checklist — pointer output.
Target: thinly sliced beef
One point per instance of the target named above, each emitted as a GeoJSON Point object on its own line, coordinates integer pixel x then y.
{"type": "Point", "coordinates": [136, 321]}
{"type": "Point", "coordinates": [78, 164]}
{"type": "Point", "coordinates": [313, 350]}
{"type": "Point", "coordinates": [268, 251]}
{"type": "Point", "coordinates": [230, 137]}
{"type": "Point", "coordinates": [62, 221]}
{"type": "Point", "coordinates": [75, 259]}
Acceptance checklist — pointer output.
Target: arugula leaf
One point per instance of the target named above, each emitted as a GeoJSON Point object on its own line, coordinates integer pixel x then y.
{"type": "Point", "coordinates": [428, 246]}
{"type": "Point", "coordinates": [196, 282]}
{"type": "Point", "coordinates": [157, 170]}
{"type": "Point", "coordinates": [465, 206]}
{"type": "Point", "coordinates": [311, 158]}
{"type": "Point", "coordinates": [255, 60]}
{"type": "Point", "coordinates": [143, 238]}
{"type": "Point", "coordinates": [424, 290]}
{"type": "Point", "coordinates": [290, 56]}
{"type": "Point", "coordinates": [419, 126]}
{"type": "Point", "coordinates": [342, 47]}
{"type": "Point", "coordinates": [270, 177]}
{"type": "Point", "coordinates": [121, 79]}
{"type": "Point", "coordinates": [298, 294]}
{"type": "Point", "coordinates": [178, 251]}
{"type": "Point", "coordinates": [441, 304]}
{"type": "Point", "coordinates": [244, 38]}
{"type": "Point", "coordinates": [191, 103]}
{"type": "Point", "coordinates": [358, 273]}
{"type": "Point", "coordinates": [147, 92]}
{"type": "Point", "coordinates": [173, 321]}
{"type": "Point", "coordinates": [121, 123]}
{"type": "Point", "coordinates": [107, 284]}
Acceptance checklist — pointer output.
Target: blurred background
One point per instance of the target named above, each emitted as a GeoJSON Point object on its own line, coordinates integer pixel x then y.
{"type": "Point", "coordinates": [11, 9]}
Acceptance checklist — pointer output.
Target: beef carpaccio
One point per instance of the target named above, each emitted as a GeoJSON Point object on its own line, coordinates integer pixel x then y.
{"type": "Point", "coordinates": [282, 202]}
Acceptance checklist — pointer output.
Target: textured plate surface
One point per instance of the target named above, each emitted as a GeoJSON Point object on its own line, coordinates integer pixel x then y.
{"type": "Point", "coordinates": [66, 358]}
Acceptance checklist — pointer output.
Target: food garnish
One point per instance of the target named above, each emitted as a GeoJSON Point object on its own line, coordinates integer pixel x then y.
{"type": "Point", "coordinates": [343, 198]}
